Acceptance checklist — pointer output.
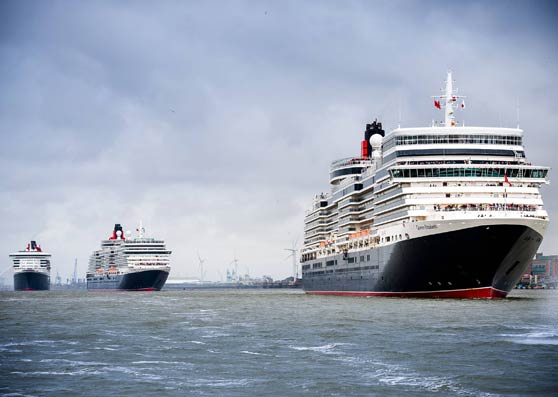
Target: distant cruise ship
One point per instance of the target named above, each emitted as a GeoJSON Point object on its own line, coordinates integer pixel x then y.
{"type": "Point", "coordinates": [125, 263]}
{"type": "Point", "coordinates": [31, 268]}
{"type": "Point", "coordinates": [440, 211]}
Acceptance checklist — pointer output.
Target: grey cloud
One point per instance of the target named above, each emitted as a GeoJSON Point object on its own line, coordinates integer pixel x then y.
{"type": "Point", "coordinates": [215, 122]}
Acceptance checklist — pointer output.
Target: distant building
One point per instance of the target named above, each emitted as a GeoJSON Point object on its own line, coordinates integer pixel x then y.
{"type": "Point", "coordinates": [541, 273]}
{"type": "Point", "coordinates": [544, 266]}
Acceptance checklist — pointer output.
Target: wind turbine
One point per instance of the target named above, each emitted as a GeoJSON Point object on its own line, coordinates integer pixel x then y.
{"type": "Point", "coordinates": [201, 261]}
{"type": "Point", "coordinates": [293, 250]}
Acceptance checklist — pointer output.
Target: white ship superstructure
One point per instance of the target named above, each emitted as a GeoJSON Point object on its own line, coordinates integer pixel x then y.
{"type": "Point", "coordinates": [418, 183]}
{"type": "Point", "coordinates": [31, 268]}
{"type": "Point", "coordinates": [121, 259]}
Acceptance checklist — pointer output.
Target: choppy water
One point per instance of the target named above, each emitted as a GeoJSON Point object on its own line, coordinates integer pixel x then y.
{"type": "Point", "coordinates": [275, 342]}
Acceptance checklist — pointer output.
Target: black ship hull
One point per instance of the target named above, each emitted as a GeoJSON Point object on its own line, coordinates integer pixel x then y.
{"type": "Point", "coordinates": [31, 281]}
{"type": "Point", "coordinates": [147, 280]}
{"type": "Point", "coordinates": [479, 262]}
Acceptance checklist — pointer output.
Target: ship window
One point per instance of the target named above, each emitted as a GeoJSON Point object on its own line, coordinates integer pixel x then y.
{"type": "Point", "coordinates": [367, 257]}
{"type": "Point", "coordinates": [351, 260]}
{"type": "Point", "coordinates": [362, 258]}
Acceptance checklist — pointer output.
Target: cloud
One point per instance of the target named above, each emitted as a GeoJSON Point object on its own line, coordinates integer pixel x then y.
{"type": "Point", "coordinates": [215, 123]}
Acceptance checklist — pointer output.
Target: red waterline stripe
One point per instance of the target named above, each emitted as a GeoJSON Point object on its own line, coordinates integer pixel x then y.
{"type": "Point", "coordinates": [473, 293]}
{"type": "Point", "coordinates": [123, 290]}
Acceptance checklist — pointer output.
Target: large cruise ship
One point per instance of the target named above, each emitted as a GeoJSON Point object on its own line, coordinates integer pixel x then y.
{"type": "Point", "coordinates": [31, 268]}
{"type": "Point", "coordinates": [126, 263]}
{"type": "Point", "coordinates": [440, 211]}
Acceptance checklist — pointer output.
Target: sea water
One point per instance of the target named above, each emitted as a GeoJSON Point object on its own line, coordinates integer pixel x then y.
{"type": "Point", "coordinates": [275, 343]}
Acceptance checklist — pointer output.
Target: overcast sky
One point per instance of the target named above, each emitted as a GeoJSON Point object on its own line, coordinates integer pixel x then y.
{"type": "Point", "coordinates": [215, 121]}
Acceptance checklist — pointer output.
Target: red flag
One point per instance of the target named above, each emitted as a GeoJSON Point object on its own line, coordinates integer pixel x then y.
{"type": "Point", "coordinates": [506, 179]}
{"type": "Point", "coordinates": [462, 104]}
{"type": "Point", "coordinates": [437, 104]}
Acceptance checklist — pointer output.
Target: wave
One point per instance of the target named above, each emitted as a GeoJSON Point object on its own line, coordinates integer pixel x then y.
{"type": "Point", "coordinates": [38, 342]}
{"type": "Point", "coordinates": [536, 337]}
{"type": "Point", "coordinates": [157, 362]}
{"type": "Point", "coordinates": [213, 334]}
{"type": "Point", "coordinates": [219, 382]}
{"type": "Point", "coordinates": [395, 375]}
{"type": "Point", "coordinates": [72, 362]}
{"type": "Point", "coordinates": [253, 353]}
{"type": "Point", "coordinates": [320, 349]}
{"type": "Point", "coordinates": [57, 373]}
{"type": "Point", "coordinates": [105, 348]}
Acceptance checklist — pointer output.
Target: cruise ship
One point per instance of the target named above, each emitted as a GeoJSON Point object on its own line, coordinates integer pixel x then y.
{"type": "Point", "coordinates": [129, 264]}
{"type": "Point", "coordinates": [31, 268]}
{"type": "Point", "coordinates": [441, 211]}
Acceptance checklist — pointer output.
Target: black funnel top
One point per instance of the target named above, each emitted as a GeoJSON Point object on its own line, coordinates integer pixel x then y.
{"type": "Point", "coordinates": [373, 129]}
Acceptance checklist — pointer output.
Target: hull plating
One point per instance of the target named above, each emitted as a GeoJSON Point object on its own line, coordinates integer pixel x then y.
{"type": "Point", "coordinates": [148, 280]}
{"type": "Point", "coordinates": [31, 281]}
{"type": "Point", "coordinates": [480, 262]}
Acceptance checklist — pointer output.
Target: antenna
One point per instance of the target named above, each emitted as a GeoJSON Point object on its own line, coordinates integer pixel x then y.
{"type": "Point", "coordinates": [140, 230]}
{"type": "Point", "coordinates": [448, 101]}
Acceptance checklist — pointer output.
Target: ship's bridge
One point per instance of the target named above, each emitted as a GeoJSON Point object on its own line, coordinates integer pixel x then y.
{"type": "Point", "coordinates": [453, 141]}
{"type": "Point", "coordinates": [343, 168]}
{"type": "Point", "coordinates": [453, 135]}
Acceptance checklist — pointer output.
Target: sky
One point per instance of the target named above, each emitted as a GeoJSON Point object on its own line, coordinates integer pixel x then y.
{"type": "Point", "coordinates": [215, 122]}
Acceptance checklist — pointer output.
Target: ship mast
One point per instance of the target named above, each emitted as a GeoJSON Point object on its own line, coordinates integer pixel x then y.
{"type": "Point", "coordinates": [448, 101]}
{"type": "Point", "coordinates": [141, 230]}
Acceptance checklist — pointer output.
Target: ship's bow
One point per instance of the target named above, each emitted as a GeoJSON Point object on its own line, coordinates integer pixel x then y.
{"type": "Point", "coordinates": [144, 280]}
{"type": "Point", "coordinates": [31, 281]}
